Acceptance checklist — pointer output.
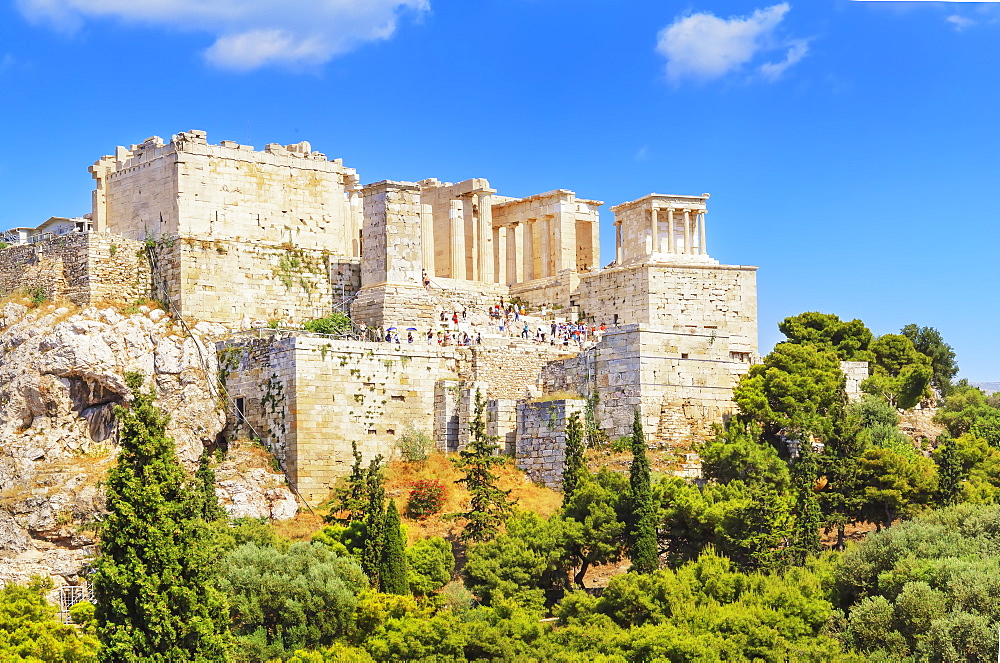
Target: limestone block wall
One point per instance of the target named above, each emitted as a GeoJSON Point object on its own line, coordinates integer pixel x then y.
{"type": "Point", "coordinates": [227, 281]}
{"type": "Point", "coordinates": [549, 291]}
{"type": "Point", "coordinates": [190, 188]}
{"type": "Point", "coordinates": [856, 373]}
{"type": "Point", "coordinates": [454, 295]}
{"type": "Point", "coordinates": [680, 382]}
{"type": "Point", "coordinates": [447, 398]}
{"type": "Point", "coordinates": [501, 423]}
{"type": "Point", "coordinates": [508, 371]}
{"type": "Point", "coordinates": [342, 392]}
{"type": "Point", "coordinates": [692, 298]}
{"type": "Point", "coordinates": [85, 268]}
{"type": "Point", "coordinates": [541, 438]}
{"type": "Point", "coordinates": [259, 374]}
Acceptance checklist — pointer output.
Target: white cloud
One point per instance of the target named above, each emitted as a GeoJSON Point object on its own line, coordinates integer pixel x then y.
{"type": "Point", "coordinates": [959, 22]}
{"type": "Point", "coordinates": [248, 33]}
{"type": "Point", "coordinates": [704, 46]}
{"type": "Point", "coordinates": [772, 71]}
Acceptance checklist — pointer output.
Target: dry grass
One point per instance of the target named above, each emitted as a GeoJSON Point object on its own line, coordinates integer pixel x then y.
{"type": "Point", "coordinates": [563, 395]}
{"type": "Point", "coordinates": [400, 475]}
{"type": "Point", "coordinates": [301, 527]}
{"type": "Point", "coordinates": [438, 467]}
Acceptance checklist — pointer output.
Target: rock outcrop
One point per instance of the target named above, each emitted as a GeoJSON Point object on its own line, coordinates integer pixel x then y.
{"type": "Point", "coordinates": [61, 374]}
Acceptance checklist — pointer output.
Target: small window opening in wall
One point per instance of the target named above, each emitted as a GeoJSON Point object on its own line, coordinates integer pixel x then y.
{"type": "Point", "coordinates": [372, 431]}
{"type": "Point", "coordinates": [390, 431]}
{"type": "Point", "coordinates": [684, 355]}
{"type": "Point", "coordinates": [398, 398]}
{"type": "Point", "coordinates": [614, 321]}
{"type": "Point", "coordinates": [711, 327]}
{"type": "Point", "coordinates": [241, 407]}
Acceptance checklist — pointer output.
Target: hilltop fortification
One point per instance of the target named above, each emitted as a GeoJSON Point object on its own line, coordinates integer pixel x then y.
{"type": "Point", "coordinates": [472, 289]}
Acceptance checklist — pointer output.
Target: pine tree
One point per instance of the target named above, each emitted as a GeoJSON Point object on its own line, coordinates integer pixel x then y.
{"type": "Point", "coordinates": [350, 497]}
{"type": "Point", "coordinates": [393, 567]}
{"type": "Point", "coordinates": [156, 578]}
{"type": "Point", "coordinates": [574, 467]}
{"type": "Point", "coordinates": [489, 506]}
{"type": "Point", "coordinates": [642, 544]}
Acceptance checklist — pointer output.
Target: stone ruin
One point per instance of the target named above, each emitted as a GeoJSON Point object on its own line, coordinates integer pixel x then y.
{"type": "Point", "coordinates": [261, 239]}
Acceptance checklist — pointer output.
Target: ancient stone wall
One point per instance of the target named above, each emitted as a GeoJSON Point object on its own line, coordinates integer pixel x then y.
{"type": "Point", "coordinates": [85, 268]}
{"type": "Point", "coordinates": [551, 291]}
{"type": "Point", "coordinates": [509, 371]}
{"type": "Point", "coordinates": [541, 438]}
{"type": "Point", "coordinates": [336, 392]}
{"type": "Point", "coordinates": [188, 188]}
{"type": "Point", "coordinates": [681, 383]}
{"type": "Point", "coordinates": [856, 373]}
{"type": "Point", "coordinates": [228, 281]}
{"type": "Point", "coordinates": [719, 299]}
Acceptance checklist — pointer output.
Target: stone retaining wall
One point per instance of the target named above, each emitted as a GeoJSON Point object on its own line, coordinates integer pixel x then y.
{"type": "Point", "coordinates": [85, 268]}
{"type": "Point", "coordinates": [541, 438]}
{"type": "Point", "coordinates": [242, 281]}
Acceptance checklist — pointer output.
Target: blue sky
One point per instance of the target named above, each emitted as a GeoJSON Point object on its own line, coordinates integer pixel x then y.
{"type": "Point", "coordinates": [851, 148]}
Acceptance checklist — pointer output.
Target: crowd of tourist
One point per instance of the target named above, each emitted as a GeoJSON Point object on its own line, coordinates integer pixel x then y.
{"type": "Point", "coordinates": [508, 320]}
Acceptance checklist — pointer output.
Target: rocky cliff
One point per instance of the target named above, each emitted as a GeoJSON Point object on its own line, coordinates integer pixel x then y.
{"type": "Point", "coordinates": [61, 373]}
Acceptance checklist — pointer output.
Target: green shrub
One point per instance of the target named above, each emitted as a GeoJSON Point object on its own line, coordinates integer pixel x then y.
{"type": "Point", "coordinates": [622, 445]}
{"type": "Point", "coordinates": [431, 565]}
{"type": "Point", "coordinates": [335, 323]}
{"type": "Point", "coordinates": [281, 602]}
{"type": "Point", "coordinates": [415, 445]}
{"type": "Point", "coordinates": [426, 499]}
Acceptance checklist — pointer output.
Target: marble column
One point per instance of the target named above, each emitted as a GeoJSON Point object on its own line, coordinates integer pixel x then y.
{"type": "Point", "coordinates": [517, 255]}
{"type": "Point", "coordinates": [687, 231]}
{"type": "Point", "coordinates": [670, 230]}
{"type": "Point", "coordinates": [457, 267]}
{"type": "Point", "coordinates": [618, 243]}
{"type": "Point", "coordinates": [653, 232]}
{"type": "Point", "coordinates": [427, 237]}
{"type": "Point", "coordinates": [701, 233]}
{"type": "Point", "coordinates": [529, 250]}
{"type": "Point", "coordinates": [545, 240]}
{"type": "Point", "coordinates": [501, 257]}
{"type": "Point", "coordinates": [485, 233]}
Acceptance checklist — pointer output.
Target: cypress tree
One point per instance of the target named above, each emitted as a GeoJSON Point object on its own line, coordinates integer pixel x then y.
{"type": "Point", "coordinates": [574, 467]}
{"type": "Point", "coordinates": [642, 544]}
{"type": "Point", "coordinates": [950, 471]}
{"type": "Point", "coordinates": [393, 569]}
{"type": "Point", "coordinates": [209, 507]}
{"type": "Point", "coordinates": [156, 578]}
{"type": "Point", "coordinates": [489, 506]}
{"type": "Point", "coordinates": [808, 515]}
{"type": "Point", "coordinates": [371, 556]}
